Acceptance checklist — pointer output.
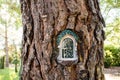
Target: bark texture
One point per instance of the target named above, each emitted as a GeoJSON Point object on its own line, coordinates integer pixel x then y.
{"type": "Point", "coordinates": [43, 20]}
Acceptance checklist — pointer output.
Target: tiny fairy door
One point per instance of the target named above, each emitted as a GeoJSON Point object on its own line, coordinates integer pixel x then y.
{"type": "Point", "coordinates": [67, 44]}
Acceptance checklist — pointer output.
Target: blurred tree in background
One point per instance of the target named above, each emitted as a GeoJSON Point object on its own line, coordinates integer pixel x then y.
{"type": "Point", "coordinates": [16, 57]}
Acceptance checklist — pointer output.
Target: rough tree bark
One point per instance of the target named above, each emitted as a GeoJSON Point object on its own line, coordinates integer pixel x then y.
{"type": "Point", "coordinates": [43, 20]}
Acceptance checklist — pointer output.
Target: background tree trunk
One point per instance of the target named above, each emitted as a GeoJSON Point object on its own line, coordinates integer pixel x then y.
{"type": "Point", "coordinates": [43, 20]}
{"type": "Point", "coordinates": [6, 47]}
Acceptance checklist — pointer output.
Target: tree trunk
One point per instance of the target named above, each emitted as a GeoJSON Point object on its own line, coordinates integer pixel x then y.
{"type": "Point", "coordinates": [43, 21]}
{"type": "Point", "coordinates": [6, 46]}
{"type": "Point", "coordinates": [16, 68]}
{"type": "Point", "coordinates": [2, 62]}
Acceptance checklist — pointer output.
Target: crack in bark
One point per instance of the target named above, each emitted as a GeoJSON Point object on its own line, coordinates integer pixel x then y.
{"type": "Point", "coordinates": [38, 62]}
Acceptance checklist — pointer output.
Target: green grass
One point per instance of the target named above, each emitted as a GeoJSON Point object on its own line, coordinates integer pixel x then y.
{"type": "Point", "coordinates": [8, 74]}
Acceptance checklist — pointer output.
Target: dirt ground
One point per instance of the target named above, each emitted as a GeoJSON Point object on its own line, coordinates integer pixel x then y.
{"type": "Point", "coordinates": [112, 73]}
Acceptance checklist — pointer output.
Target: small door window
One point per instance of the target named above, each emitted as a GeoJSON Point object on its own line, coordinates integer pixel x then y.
{"type": "Point", "coordinates": [67, 48]}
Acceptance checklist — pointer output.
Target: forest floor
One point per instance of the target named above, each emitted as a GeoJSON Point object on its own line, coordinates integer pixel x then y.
{"type": "Point", "coordinates": [112, 73]}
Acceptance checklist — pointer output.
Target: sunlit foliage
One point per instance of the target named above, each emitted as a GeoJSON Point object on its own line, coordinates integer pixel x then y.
{"type": "Point", "coordinates": [110, 10]}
